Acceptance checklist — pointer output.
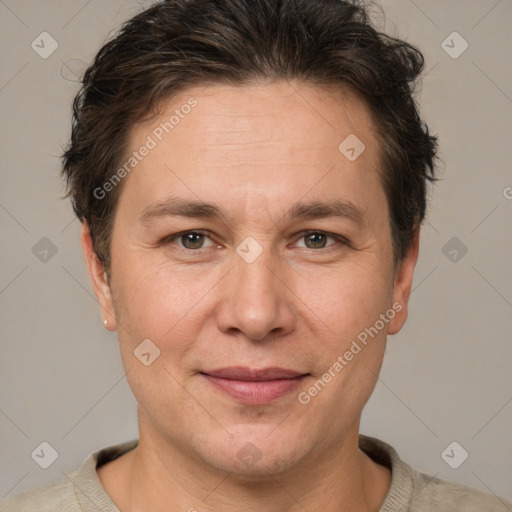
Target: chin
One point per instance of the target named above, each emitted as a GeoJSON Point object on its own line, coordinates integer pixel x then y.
{"type": "Point", "coordinates": [254, 455]}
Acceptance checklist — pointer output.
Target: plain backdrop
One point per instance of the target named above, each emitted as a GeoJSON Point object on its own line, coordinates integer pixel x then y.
{"type": "Point", "coordinates": [446, 377]}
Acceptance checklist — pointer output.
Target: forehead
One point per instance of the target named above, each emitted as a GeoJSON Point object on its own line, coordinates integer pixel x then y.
{"type": "Point", "coordinates": [277, 141]}
{"type": "Point", "coordinates": [289, 115]}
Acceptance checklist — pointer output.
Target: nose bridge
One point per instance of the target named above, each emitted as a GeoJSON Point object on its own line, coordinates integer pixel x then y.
{"type": "Point", "coordinates": [256, 301]}
{"type": "Point", "coordinates": [253, 269]}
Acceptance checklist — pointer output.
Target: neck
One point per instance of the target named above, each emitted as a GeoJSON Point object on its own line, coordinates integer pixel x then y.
{"type": "Point", "coordinates": [160, 476]}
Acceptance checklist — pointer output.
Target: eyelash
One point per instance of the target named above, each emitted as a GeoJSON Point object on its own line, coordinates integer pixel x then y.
{"type": "Point", "coordinates": [171, 238]}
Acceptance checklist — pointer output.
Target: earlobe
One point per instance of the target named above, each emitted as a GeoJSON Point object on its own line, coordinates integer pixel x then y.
{"type": "Point", "coordinates": [403, 284]}
{"type": "Point", "coordinates": [99, 279]}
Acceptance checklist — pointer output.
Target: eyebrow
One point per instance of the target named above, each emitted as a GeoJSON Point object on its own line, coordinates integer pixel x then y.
{"type": "Point", "coordinates": [180, 207]}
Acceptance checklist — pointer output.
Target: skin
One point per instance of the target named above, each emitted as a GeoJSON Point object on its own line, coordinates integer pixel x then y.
{"type": "Point", "coordinates": [255, 151]}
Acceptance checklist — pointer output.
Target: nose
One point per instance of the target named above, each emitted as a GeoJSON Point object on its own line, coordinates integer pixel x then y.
{"type": "Point", "coordinates": [257, 299]}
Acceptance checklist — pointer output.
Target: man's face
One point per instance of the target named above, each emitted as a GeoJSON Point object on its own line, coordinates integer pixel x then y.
{"type": "Point", "coordinates": [251, 289]}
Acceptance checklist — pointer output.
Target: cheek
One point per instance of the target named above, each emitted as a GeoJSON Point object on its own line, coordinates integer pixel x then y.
{"type": "Point", "coordinates": [160, 303]}
{"type": "Point", "coordinates": [156, 305]}
{"type": "Point", "coordinates": [342, 302]}
{"type": "Point", "coordinates": [343, 311]}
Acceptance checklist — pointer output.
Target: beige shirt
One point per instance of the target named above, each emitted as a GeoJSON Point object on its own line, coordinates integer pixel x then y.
{"type": "Point", "coordinates": [410, 489]}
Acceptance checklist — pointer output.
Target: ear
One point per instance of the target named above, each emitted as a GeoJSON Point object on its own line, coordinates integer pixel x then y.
{"type": "Point", "coordinates": [403, 284]}
{"type": "Point", "coordinates": [98, 278]}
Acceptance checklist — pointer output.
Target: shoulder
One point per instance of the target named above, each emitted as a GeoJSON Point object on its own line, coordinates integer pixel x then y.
{"type": "Point", "coordinates": [53, 497]}
{"type": "Point", "coordinates": [414, 491]}
{"type": "Point", "coordinates": [77, 491]}
{"type": "Point", "coordinates": [432, 493]}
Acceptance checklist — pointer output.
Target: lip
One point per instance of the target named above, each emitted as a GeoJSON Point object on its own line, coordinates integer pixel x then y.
{"type": "Point", "coordinates": [255, 386]}
{"type": "Point", "coordinates": [253, 374]}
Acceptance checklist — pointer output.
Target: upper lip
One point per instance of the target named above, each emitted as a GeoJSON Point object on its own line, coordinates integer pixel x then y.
{"type": "Point", "coordinates": [253, 374]}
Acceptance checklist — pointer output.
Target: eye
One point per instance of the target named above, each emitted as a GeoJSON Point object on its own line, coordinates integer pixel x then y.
{"type": "Point", "coordinates": [318, 239]}
{"type": "Point", "coordinates": [194, 240]}
{"type": "Point", "coordinates": [191, 240]}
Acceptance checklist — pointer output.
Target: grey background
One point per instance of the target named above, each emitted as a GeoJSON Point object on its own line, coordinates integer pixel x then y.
{"type": "Point", "coordinates": [446, 376]}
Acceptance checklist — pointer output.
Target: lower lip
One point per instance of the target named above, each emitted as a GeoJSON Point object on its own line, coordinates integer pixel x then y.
{"type": "Point", "coordinates": [256, 392]}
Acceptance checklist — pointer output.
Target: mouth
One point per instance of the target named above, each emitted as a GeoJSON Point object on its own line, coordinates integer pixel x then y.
{"type": "Point", "coordinates": [255, 386]}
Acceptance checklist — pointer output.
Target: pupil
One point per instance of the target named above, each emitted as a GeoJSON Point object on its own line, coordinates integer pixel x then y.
{"type": "Point", "coordinates": [317, 243]}
{"type": "Point", "coordinates": [189, 239]}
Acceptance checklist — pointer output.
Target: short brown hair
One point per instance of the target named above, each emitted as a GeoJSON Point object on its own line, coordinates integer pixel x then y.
{"type": "Point", "coordinates": [179, 43]}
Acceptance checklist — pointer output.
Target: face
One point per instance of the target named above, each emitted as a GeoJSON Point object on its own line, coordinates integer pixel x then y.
{"type": "Point", "coordinates": [286, 263]}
